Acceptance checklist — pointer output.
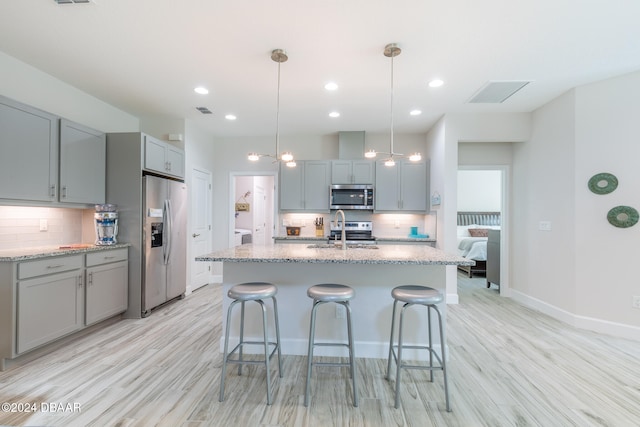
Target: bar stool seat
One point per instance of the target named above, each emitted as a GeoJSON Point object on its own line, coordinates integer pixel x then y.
{"type": "Point", "coordinates": [425, 296]}
{"type": "Point", "coordinates": [322, 294]}
{"type": "Point", "coordinates": [242, 293]}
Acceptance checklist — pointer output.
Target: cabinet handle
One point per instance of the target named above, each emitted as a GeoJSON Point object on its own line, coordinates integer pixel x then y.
{"type": "Point", "coordinates": [52, 191]}
{"type": "Point", "coordinates": [64, 191]}
{"type": "Point", "coordinates": [108, 257]}
{"type": "Point", "coordinates": [90, 279]}
{"type": "Point", "coordinates": [168, 166]}
{"type": "Point", "coordinates": [51, 267]}
{"type": "Point", "coordinates": [80, 281]}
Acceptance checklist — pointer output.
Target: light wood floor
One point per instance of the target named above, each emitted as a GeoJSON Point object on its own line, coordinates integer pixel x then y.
{"type": "Point", "coordinates": [509, 366]}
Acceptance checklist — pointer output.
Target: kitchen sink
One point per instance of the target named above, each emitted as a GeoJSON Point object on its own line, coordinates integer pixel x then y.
{"type": "Point", "coordinates": [339, 246]}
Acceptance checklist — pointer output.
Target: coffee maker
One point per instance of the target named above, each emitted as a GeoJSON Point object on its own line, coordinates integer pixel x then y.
{"type": "Point", "coordinates": [106, 222]}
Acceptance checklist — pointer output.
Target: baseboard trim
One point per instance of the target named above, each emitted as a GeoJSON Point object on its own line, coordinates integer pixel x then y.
{"type": "Point", "coordinates": [583, 322]}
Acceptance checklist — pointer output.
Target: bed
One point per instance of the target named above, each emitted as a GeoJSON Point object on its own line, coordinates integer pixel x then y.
{"type": "Point", "coordinates": [472, 238]}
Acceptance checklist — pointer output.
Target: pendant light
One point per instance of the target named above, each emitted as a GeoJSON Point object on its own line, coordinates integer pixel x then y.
{"type": "Point", "coordinates": [391, 51]}
{"type": "Point", "coordinates": [279, 56]}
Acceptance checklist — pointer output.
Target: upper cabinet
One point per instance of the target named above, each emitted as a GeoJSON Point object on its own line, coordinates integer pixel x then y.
{"type": "Point", "coordinates": [48, 159]}
{"type": "Point", "coordinates": [403, 187]}
{"type": "Point", "coordinates": [82, 164]}
{"type": "Point", "coordinates": [305, 187]}
{"type": "Point", "coordinates": [352, 172]}
{"type": "Point", "coordinates": [163, 157]}
{"type": "Point", "coordinates": [28, 153]}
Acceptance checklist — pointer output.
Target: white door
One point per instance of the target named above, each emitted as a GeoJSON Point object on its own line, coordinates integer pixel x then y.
{"type": "Point", "coordinates": [200, 233]}
{"type": "Point", "coordinates": [259, 221]}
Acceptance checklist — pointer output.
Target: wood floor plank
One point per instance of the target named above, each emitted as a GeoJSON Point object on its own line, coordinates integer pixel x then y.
{"type": "Point", "coordinates": [508, 366]}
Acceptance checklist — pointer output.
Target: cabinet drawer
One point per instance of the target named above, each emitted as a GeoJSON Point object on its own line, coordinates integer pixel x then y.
{"type": "Point", "coordinates": [107, 256]}
{"type": "Point", "coordinates": [48, 266]}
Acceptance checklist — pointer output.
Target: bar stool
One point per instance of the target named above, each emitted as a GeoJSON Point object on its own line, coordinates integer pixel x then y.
{"type": "Point", "coordinates": [425, 296]}
{"type": "Point", "coordinates": [241, 293]}
{"type": "Point", "coordinates": [322, 294]}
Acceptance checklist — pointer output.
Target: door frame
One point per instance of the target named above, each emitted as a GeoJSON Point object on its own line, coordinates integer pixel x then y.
{"type": "Point", "coordinates": [505, 289]}
{"type": "Point", "coordinates": [232, 201]}
{"type": "Point", "coordinates": [209, 240]}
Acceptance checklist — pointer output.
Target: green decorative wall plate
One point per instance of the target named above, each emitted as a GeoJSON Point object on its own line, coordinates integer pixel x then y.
{"type": "Point", "coordinates": [603, 183]}
{"type": "Point", "coordinates": [623, 216]}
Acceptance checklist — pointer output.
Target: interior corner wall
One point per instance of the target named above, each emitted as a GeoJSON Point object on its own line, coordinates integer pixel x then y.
{"type": "Point", "coordinates": [607, 129]}
{"type": "Point", "coordinates": [543, 262]}
{"type": "Point", "coordinates": [28, 85]}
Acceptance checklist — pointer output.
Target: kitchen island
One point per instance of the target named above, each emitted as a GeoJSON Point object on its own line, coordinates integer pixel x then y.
{"type": "Point", "coordinates": [371, 271]}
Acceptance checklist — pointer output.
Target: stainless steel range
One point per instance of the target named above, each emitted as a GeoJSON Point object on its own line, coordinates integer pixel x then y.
{"type": "Point", "coordinates": [355, 231]}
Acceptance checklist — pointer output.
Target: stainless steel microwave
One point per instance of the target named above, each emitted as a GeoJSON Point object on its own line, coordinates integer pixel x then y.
{"type": "Point", "coordinates": [351, 196]}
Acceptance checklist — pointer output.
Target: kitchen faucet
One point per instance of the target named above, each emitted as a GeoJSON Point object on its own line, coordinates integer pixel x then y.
{"type": "Point", "coordinates": [343, 235]}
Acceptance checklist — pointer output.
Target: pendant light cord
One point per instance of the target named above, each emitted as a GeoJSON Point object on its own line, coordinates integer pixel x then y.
{"type": "Point", "coordinates": [392, 152]}
{"type": "Point", "coordinates": [278, 116]}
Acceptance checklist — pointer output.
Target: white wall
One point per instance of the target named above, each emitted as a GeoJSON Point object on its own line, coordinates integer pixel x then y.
{"type": "Point", "coordinates": [606, 140]}
{"type": "Point", "coordinates": [583, 270]}
{"type": "Point", "coordinates": [31, 86]}
{"type": "Point", "coordinates": [480, 190]}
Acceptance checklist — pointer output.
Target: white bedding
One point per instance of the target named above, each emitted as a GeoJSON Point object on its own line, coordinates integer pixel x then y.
{"type": "Point", "coordinates": [473, 248]}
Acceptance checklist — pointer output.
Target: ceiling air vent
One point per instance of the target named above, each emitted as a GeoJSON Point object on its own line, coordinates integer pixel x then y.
{"type": "Point", "coordinates": [204, 110]}
{"type": "Point", "coordinates": [495, 92]}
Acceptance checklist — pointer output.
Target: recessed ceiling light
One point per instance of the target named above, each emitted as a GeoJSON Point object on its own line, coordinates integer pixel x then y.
{"type": "Point", "coordinates": [436, 83]}
{"type": "Point", "coordinates": [331, 86]}
{"type": "Point", "coordinates": [334, 114]}
{"type": "Point", "coordinates": [415, 112]}
{"type": "Point", "coordinates": [230, 117]}
{"type": "Point", "coordinates": [201, 90]}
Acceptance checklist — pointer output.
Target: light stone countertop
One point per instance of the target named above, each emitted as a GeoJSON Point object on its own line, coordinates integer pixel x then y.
{"type": "Point", "coordinates": [293, 239]}
{"type": "Point", "coordinates": [24, 254]}
{"type": "Point", "coordinates": [300, 253]}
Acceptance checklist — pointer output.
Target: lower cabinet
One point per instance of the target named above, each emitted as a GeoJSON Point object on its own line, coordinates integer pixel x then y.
{"type": "Point", "coordinates": [51, 297]}
{"type": "Point", "coordinates": [107, 287]}
{"type": "Point", "coordinates": [49, 307]}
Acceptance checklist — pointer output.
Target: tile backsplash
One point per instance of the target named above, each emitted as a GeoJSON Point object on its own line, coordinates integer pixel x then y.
{"type": "Point", "coordinates": [384, 225]}
{"type": "Point", "coordinates": [22, 227]}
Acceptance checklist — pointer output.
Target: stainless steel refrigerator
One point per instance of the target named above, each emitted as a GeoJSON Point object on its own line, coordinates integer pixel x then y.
{"type": "Point", "coordinates": [164, 257]}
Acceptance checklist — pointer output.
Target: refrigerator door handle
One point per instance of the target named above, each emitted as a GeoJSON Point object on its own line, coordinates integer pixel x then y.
{"type": "Point", "coordinates": [167, 230]}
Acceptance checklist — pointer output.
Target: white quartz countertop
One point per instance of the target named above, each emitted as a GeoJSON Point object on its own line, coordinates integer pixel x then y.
{"type": "Point", "coordinates": [300, 253]}
{"type": "Point", "coordinates": [23, 254]}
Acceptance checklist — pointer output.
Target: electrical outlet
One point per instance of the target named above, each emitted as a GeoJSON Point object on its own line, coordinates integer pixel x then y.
{"type": "Point", "coordinates": [636, 301]}
{"type": "Point", "coordinates": [544, 226]}
{"type": "Point", "coordinates": [44, 225]}
{"type": "Point", "coordinates": [397, 223]}
{"type": "Point", "coordinates": [341, 311]}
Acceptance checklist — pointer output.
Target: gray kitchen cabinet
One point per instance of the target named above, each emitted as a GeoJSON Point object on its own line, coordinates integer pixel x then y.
{"type": "Point", "coordinates": [106, 285]}
{"type": "Point", "coordinates": [352, 172]}
{"type": "Point", "coordinates": [160, 156]}
{"type": "Point", "coordinates": [49, 297]}
{"type": "Point", "coordinates": [83, 157]}
{"type": "Point", "coordinates": [49, 306]}
{"type": "Point", "coordinates": [28, 153]}
{"type": "Point", "coordinates": [403, 187]}
{"type": "Point", "coordinates": [305, 187]}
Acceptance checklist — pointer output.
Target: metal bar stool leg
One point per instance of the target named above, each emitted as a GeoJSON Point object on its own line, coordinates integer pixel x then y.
{"type": "Point", "coordinates": [399, 359]}
{"type": "Point", "coordinates": [443, 361]}
{"type": "Point", "coordinates": [312, 330]}
{"type": "Point", "coordinates": [241, 336]}
{"type": "Point", "coordinates": [266, 349]}
{"type": "Point", "coordinates": [393, 326]}
{"type": "Point", "coordinates": [226, 351]}
{"type": "Point", "coordinates": [275, 318]}
{"type": "Point", "coordinates": [351, 356]}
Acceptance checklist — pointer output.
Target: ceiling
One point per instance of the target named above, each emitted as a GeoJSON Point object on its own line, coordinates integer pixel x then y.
{"type": "Point", "coordinates": [146, 56]}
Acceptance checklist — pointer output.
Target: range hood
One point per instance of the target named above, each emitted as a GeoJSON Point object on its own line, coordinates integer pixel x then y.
{"type": "Point", "coordinates": [351, 145]}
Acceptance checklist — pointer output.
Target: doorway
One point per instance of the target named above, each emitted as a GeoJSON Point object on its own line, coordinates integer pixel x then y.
{"type": "Point", "coordinates": [485, 189]}
{"type": "Point", "coordinates": [200, 232]}
{"type": "Point", "coordinates": [253, 215]}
